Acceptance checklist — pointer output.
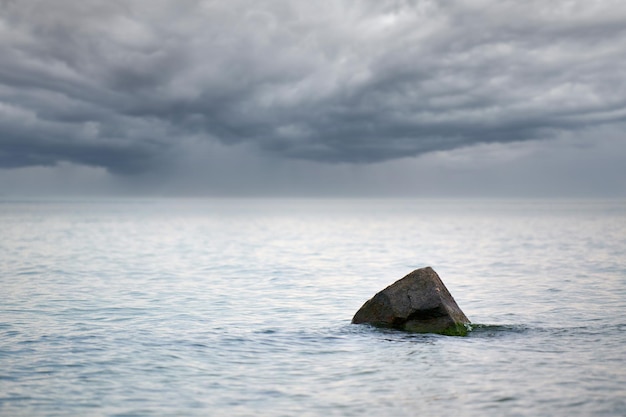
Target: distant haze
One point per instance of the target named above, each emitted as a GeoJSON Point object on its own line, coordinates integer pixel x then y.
{"type": "Point", "coordinates": [322, 98]}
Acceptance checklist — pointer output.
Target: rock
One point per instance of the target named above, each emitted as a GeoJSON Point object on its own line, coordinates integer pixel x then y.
{"type": "Point", "coordinates": [419, 302]}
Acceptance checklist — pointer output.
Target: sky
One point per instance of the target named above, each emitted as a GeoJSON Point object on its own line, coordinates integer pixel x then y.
{"type": "Point", "coordinates": [473, 98]}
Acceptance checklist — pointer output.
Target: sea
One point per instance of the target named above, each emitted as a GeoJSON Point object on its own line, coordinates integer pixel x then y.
{"type": "Point", "coordinates": [243, 307]}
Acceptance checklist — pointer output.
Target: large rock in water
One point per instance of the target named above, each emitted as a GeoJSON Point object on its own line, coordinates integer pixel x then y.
{"type": "Point", "coordinates": [419, 302]}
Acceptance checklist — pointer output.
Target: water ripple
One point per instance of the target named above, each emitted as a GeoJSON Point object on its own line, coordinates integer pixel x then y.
{"type": "Point", "coordinates": [240, 308]}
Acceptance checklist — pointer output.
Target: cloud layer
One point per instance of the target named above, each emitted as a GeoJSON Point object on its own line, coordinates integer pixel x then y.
{"type": "Point", "coordinates": [125, 85]}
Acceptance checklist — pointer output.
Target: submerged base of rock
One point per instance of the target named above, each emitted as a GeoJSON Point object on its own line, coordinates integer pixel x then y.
{"type": "Point", "coordinates": [419, 302]}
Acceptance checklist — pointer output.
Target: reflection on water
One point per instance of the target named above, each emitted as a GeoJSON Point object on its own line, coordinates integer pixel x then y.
{"type": "Point", "coordinates": [243, 307]}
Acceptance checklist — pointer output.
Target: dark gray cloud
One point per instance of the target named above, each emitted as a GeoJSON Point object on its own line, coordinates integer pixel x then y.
{"type": "Point", "coordinates": [125, 84]}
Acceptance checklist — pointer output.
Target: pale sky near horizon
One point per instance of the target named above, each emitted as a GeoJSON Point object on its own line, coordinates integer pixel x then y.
{"type": "Point", "coordinates": [329, 98]}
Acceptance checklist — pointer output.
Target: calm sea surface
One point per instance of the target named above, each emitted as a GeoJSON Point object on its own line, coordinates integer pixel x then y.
{"type": "Point", "coordinates": [243, 308]}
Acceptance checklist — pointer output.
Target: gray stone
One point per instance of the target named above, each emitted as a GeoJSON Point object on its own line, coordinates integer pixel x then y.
{"type": "Point", "coordinates": [419, 302]}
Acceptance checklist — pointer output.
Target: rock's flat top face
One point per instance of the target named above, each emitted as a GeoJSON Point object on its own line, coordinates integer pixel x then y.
{"type": "Point", "coordinates": [418, 302]}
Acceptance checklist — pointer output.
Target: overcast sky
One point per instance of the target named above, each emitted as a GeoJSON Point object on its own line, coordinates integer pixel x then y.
{"type": "Point", "coordinates": [308, 98]}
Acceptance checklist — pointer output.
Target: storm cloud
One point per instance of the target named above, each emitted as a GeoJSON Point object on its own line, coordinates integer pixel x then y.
{"type": "Point", "coordinates": [125, 85]}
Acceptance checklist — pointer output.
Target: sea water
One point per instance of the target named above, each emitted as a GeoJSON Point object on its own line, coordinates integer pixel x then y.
{"type": "Point", "coordinates": [242, 308]}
